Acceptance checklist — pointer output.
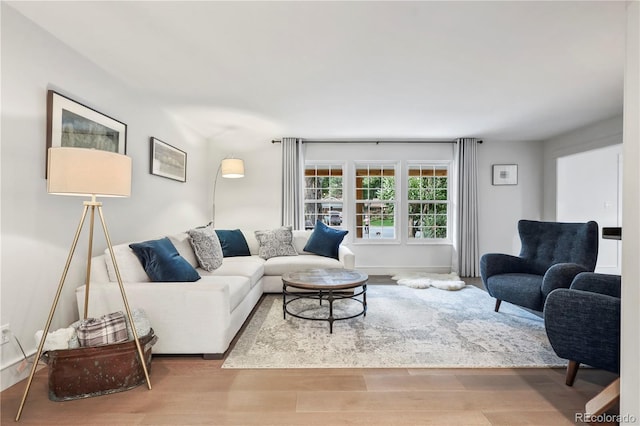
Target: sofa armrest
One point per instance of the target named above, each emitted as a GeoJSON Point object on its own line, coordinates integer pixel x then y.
{"type": "Point", "coordinates": [560, 275]}
{"type": "Point", "coordinates": [499, 263]}
{"type": "Point", "coordinates": [598, 283]}
{"type": "Point", "coordinates": [585, 327]}
{"type": "Point", "coordinates": [346, 257]}
{"type": "Point", "coordinates": [99, 271]}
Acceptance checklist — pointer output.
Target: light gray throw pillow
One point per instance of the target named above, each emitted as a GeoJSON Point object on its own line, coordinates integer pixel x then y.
{"type": "Point", "coordinates": [276, 242]}
{"type": "Point", "coordinates": [206, 246]}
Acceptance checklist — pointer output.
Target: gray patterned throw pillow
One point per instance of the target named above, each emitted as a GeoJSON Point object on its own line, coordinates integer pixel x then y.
{"type": "Point", "coordinates": [277, 242]}
{"type": "Point", "coordinates": [206, 246]}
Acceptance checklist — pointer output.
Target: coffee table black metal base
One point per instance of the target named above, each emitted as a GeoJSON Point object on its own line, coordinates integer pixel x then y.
{"type": "Point", "coordinates": [324, 284]}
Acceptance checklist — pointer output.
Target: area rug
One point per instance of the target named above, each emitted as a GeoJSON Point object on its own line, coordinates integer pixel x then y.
{"type": "Point", "coordinates": [404, 327]}
{"type": "Point", "coordinates": [425, 280]}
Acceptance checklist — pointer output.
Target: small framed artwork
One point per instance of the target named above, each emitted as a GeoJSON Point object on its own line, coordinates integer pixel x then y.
{"type": "Point", "coordinates": [505, 174]}
{"type": "Point", "coordinates": [168, 161]}
{"type": "Point", "coordinates": [72, 124]}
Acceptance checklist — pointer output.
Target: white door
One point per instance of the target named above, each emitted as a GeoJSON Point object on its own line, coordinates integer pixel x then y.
{"type": "Point", "coordinates": [590, 188]}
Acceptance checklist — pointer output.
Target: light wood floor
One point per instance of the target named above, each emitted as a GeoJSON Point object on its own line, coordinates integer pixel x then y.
{"type": "Point", "coordinates": [189, 390]}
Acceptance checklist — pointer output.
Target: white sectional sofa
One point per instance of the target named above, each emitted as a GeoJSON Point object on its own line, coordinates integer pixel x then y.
{"type": "Point", "coordinates": [200, 317]}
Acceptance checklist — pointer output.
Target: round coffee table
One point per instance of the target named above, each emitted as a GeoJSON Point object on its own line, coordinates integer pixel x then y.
{"type": "Point", "coordinates": [324, 284]}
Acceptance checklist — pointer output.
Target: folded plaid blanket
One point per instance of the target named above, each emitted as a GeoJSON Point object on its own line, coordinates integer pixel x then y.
{"type": "Point", "coordinates": [110, 328]}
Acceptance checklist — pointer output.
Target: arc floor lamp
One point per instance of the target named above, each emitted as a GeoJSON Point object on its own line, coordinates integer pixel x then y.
{"type": "Point", "coordinates": [229, 168]}
{"type": "Point", "coordinates": [89, 173]}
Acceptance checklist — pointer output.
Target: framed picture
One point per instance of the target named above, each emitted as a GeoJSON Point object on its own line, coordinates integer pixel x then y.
{"type": "Point", "coordinates": [505, 174]}
{"type": "Point", "coordinates": [72, 124]}
{"type": "Point", "coordinates": [168, 161]}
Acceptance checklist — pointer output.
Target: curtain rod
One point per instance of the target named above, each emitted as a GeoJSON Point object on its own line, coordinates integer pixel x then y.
{"type": "Point", "coordinates": [374, 141]}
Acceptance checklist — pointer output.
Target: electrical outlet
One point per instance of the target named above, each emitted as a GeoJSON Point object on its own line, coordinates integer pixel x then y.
{"type": "Point", "coordinates": [5, 333]}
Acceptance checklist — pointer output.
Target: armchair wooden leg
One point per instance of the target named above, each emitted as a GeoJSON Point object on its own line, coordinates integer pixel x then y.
{"type": "Point", "coordinates": [498, 301]}
{"type": "Point", "coordinates": [572, 371]}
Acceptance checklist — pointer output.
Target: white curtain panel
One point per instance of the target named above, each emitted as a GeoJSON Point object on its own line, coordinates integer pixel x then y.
{"type": "Point", "coordinates": [466, 252]}
{"type": "Point", "coordinates": [292, 179]}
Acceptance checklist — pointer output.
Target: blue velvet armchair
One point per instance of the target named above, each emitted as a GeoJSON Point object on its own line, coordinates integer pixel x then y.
{"type": "Point", "coordinates": [583, 323]}
{"type": "Point", "coordinates": [552, 254]}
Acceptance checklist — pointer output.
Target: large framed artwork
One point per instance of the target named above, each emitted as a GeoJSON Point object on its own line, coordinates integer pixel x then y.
{"type": "Point", "coordinates": [505, 174]}
{"type": "Point", "coordinates": [72, 124]}
{"type": "Point", "coordinates": [167, 161]}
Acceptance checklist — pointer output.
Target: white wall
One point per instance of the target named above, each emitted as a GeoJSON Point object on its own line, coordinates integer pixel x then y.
{"type": "Point", "coordinates": [630, 346]}
{"type": "Point", "coordinates": [590, 188]}
{"type": "Point", "coordinates": [37, 228]}
{"type": "Point", "coordinates": [598, 135]}
{"type": "Point", "coordinates": [502, 206]}
{"type": "Point", "coordinates": [253, 202]}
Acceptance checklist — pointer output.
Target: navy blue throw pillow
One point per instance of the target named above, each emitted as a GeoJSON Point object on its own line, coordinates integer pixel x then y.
{"type": "Point", "coordinates": [324, 240]}
{"type": "Point", "coordinates": [161, 261]}
{"type": "Point", "coordinates": [233, 243]}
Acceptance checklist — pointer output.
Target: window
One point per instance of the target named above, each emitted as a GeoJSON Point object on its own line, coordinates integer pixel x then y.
{"type": "Point", "coordinates": [323, 195]}
{"type": "Point", "coordinates": [375, 201]}
{"type": "Point", "coordinates": [428, 201]}
{"type": "Point", "coordinates": [385, 201]}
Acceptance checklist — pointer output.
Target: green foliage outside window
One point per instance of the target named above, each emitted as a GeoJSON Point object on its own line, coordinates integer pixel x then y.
{"type": "Point", "coordinates": [323, 187]}
{"type": "Point", "coordinates": [428, 215]}
{"type": "Point", "coordinates": [380, 189]}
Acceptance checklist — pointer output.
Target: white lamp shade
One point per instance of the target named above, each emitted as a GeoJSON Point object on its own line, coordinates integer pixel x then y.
{"type": "Point", "coordinates": [88, 172]}
{"type": "Point", "coordinates": [232, 168]}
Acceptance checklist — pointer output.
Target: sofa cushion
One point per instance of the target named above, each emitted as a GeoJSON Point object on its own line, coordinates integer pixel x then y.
{"type": "Point", "coordinates": [130, 268]}
{"type": "Point", "coordinates": [252, 241]}
{"type": "Point", "coordinates": [276, 242]}
{"type": "Point", "coordinates": [251, 267]}
{"type": "Point", "coordinates": [324, 240]}
{"type": "Point", "coordinates": [526, 293]}
{"type": "Point", "coordinates": [206, 247]}
{"type": "Point", "coordinates": [182, 243]}
{"type": "Point", "coordinates": [161, 261]}
{"type": "Point", "coordinates": [233, 243]}
{"type": "Point", "coordinates": [300, 238]}
{"type": "Point", "coordinates": [239, 287]}
{"type": "Point", "coordinates": [280, 265]}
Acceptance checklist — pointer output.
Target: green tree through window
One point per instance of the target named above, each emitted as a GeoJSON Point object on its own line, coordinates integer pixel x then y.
{"type": "Point", "coordinates": [428, 203]}
{"type": "Point", "coordinates": [375, 201]}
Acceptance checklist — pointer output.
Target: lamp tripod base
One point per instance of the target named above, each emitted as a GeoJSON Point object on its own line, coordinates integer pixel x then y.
{"type": "Point", "coordinates": [87, 205]}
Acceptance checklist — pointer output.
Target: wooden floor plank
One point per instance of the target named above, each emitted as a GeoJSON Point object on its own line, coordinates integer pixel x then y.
{"type": "Point", "coordinates": [529, 418]}
{"type": "Point", "coordinates": [327, 419]}
{"type": "Point", "coordinates": [424, 401]}
{"type": "Point", "coordinates": [302, 382]}
{"type": "Point", "coordinates": [388, 382]}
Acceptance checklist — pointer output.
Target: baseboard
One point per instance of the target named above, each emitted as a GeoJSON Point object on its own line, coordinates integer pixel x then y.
{"type": "Point", "coordinates": [9, 374]}
{"type": "Point", "coordinates": [385, 270]}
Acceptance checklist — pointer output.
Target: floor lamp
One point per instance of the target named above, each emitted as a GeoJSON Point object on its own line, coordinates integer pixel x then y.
{"type": "Point", "coordinates": [230, 168]}
{"type": "Point", "coordinates": [90, 173]}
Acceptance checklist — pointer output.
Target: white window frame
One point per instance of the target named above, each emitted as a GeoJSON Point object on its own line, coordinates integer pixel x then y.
{"type": "Point", "coordinates": [353, 201]}
{"type": "Point", "coordinates": [428, 163]}
{"type": "Point", "coordinates": [345, 198]}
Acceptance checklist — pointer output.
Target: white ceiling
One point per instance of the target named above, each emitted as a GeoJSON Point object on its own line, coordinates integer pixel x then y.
{"type": "Point", "coordinates": [393, 70]}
